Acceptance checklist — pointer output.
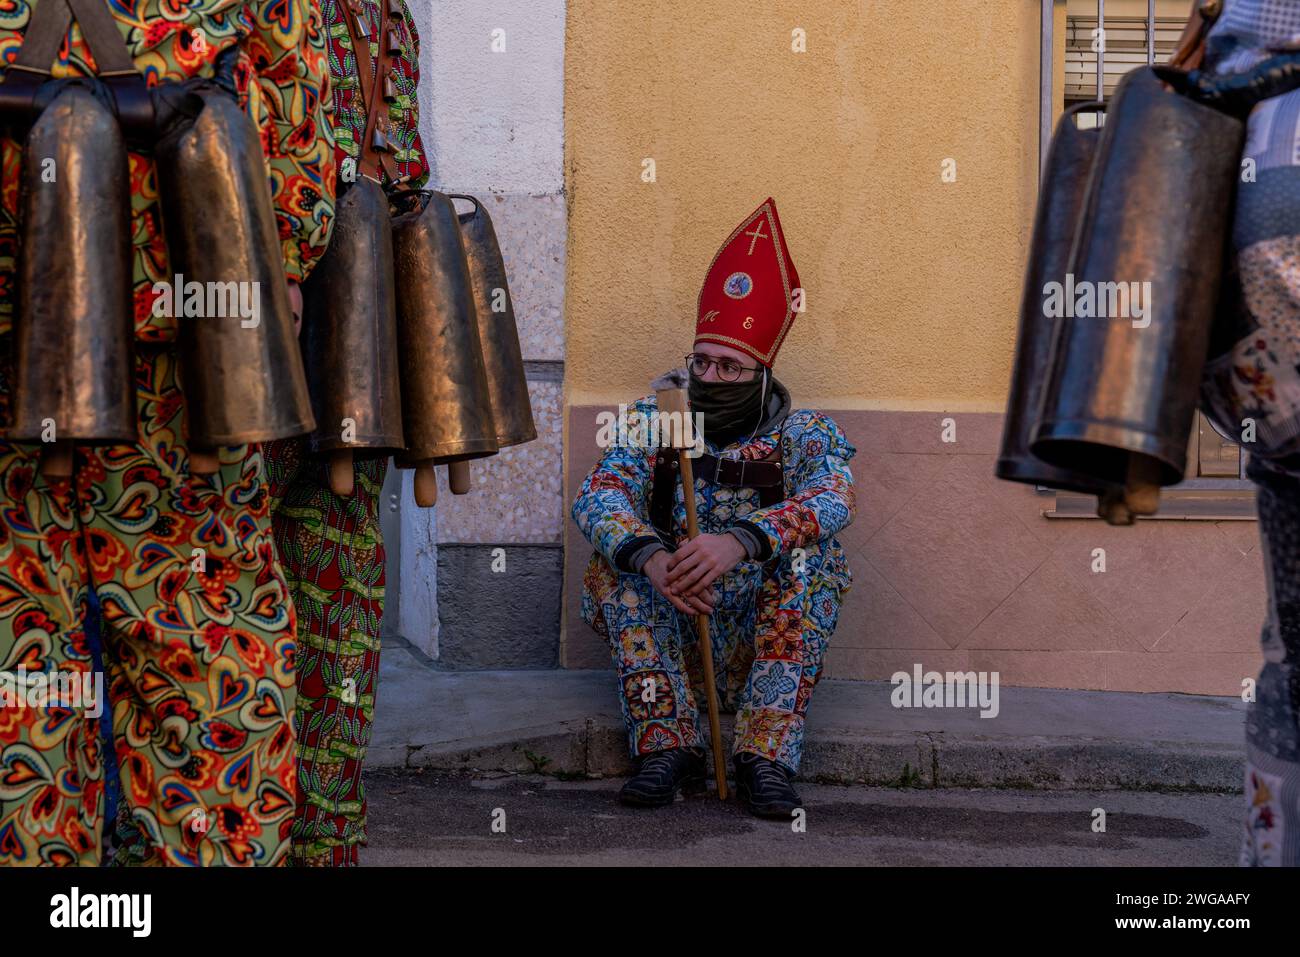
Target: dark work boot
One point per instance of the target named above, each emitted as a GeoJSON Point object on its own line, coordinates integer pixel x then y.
{"type": "Point", "coordinates": [661, 775]}
{"type": "Point", "coordinates": [764, 787]}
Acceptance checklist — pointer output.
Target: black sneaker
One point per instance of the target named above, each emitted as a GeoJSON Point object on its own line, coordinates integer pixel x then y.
{"type": "Point", "coordinates": [764, 787]}
{"type": "Point", "coordinates": [661, 775]}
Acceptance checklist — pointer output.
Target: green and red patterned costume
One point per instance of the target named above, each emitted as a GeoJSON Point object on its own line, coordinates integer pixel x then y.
{"type": "Point", "coordinates": [200, 662]}
{"type": "Point", "coordinates": [331, 546]}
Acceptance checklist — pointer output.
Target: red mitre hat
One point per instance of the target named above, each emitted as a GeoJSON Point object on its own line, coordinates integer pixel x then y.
{"type": "Point", "coordinates": [747, 298]}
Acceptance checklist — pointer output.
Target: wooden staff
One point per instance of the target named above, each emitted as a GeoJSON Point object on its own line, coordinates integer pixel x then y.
{"type": "Point", "coordinates": [673, 400]}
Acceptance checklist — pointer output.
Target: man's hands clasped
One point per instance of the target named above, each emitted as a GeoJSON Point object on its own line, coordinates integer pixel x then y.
{"type": "Point", "coordinates": [685, 577]}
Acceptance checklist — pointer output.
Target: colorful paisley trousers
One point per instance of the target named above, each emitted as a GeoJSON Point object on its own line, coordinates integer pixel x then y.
{"type": "Point", "coordinates": [198, 637]}
{"type": "Point", "coordinates": [332, 553]}
{"type": "Point", "coordinates": [774, 617]}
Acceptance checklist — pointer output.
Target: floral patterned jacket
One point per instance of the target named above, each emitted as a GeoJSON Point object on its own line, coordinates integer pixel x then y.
{"type": "Point", "coordinates": [612, 505]}
{"type": "Point", "coordinates": [282, 79]}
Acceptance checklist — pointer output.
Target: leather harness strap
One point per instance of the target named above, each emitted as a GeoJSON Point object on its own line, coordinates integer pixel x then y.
{"type": "Point", "coordinates": [107, 45]}
{"type": "Point", "coordinates": [373, 77]}
{"type": "Point", "coordinates": [49, 24]}
{"type": "Point", "coordinates": [766, 475]}
{"type": "Point", "coordinates": [762, 474]}
{"type": "Point", "coordinates": [1190, 53]}
{"type": "Point", "coordinates": [142, 111]}
{"type": "Point", "coordinates": [46, 29]}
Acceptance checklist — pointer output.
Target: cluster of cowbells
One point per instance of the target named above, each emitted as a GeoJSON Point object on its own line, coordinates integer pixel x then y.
{"type": "Point", "coordinates": [1105, 405]}
{"type": "Point", "coordinates": [410, 339]}
{"type": "Point", "coordinates": [410, 336]}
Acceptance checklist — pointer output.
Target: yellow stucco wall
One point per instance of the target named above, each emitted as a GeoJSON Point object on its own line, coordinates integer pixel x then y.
{"type": "Point", "coordinates": [912, 283]}
{"type": "Point", "coordinates": [913, 289]}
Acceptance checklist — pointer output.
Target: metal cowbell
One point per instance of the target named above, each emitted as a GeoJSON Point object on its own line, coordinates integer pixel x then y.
{"type": "Point", "coordinates": [349, 336]}
{"type": "Point", "coordinates": [507, 384]}
{"type": "Point", "coordinates": [74, 326]}
{"type": "Point", "coordinates": [241, 373]}
{"type": "Point", "coordinates": [446, 400]}
{"type": "Point", "coordinates": [1060, 202]}
{"type": "Point", "coordinates": [1142, 287]}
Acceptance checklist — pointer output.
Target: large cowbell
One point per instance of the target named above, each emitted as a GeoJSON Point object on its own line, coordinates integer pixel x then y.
{"type": "Point", "coordinates": [241, 373]}
{"type": "Point", "coordinates": [1121, 395]}
{"type": "Point", "coordinates": [74, 328]}
{"type": "Point", "coordinates": [1060, 201]}
{"type": "Point", "coordinates": [445, 397]}
{"type": "Point", "coordinates": [350, 335]}
{"type": "Point", "coordinates": [511, 409]}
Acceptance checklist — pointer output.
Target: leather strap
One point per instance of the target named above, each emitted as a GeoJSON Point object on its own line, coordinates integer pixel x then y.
{"type": "Point", "coordinates": [371, 76]}
{"type": "Point", "coordinates": [1190, 52]}
{"type": "Point", "coordinates": [46, 28]}
{"type": "Point", "coordinates": [107, 45]}
{"type": "Point", "coordinates": [766, 475]}
{"type": "Point", "coordinates": [762, 474]}
{"type": "Point", "coordinates": [49, 25]}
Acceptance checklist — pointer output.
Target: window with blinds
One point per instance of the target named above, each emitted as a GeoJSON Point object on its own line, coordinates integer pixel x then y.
{"type": "Point", "coordinates": [1126, 49]}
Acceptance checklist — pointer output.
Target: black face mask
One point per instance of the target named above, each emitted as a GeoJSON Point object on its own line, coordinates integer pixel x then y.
{"type": "Point", "coordinates": [729, 409]}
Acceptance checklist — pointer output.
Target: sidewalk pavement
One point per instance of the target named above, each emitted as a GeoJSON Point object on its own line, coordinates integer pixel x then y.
{"type": "Point", "coordinates": [427, 818]}
{"type": "Point", "coordinates": [566, 723]}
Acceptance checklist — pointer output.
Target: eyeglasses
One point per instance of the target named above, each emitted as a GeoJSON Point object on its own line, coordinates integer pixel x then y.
{"type": "Point", "coordinates": [729, 370]}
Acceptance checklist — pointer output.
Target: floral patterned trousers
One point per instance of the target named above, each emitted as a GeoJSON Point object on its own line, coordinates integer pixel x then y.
{"type": "Point", "coordinates": [332, 551]}
{"type": "Point", "coordinates": [198, 637]}
{"type": "Point", "coordinates": [1273, 718]}
{"type": "Point", "coordinates": [769, 633]}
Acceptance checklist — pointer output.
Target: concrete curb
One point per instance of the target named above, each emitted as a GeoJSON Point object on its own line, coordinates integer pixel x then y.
{"type": "Point", "coordinates": [597, 748]}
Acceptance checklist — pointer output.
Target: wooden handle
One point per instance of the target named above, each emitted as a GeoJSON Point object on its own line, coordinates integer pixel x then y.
{"type": "Point", "coordinates": [426, 485]}
{"type": "Point", "coordinates": [204, 462]}
{"type": "Point", "coordinates": [1142, 489]}
{"type": "Point", "coordinates": [688, 493]}
{"type": "Point", "coordinates": [342, 477]}
{"type": "Point", "coordinates": [1139, 496]}
{"type": "Point", "coordinates": [674, 409]}
{"type": "Point", "coordinates": [56, 460]}
{"type": "Point", "coordinates": [1114, 509]}
{"type": "Point", "coordinates": [1143, 499]}
{"type": "Point", "coordinates": [458, 477]}
{"type": "Point", "coordinates": [706, 645]}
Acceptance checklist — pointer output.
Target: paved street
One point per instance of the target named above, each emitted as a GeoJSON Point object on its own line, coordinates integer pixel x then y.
{"type": "Point", "coordinates": [423, 818]}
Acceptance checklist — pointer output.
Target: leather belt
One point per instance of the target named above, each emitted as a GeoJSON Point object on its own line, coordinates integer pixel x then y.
{"type": "Point", "coordinates": [766, 476]}
{"type": "Point", "coordinates": [739, 473]}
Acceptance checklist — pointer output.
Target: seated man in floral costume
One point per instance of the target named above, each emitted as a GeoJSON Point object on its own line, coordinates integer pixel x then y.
{"type": "Point", "coordinates": [772, 490]}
